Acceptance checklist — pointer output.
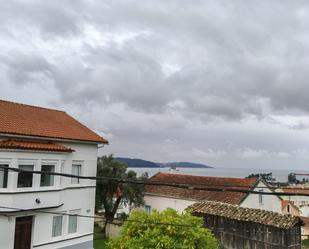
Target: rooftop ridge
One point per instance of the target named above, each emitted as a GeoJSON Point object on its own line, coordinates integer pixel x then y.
{"type": "Point", "coordinates": [245, 214]}
{"type": "Point", "coordinates": [35, 121]}
{"type": "Point", "coordinates": [219, 177]}
{"type": "Point", "coordinates": [32, 106]}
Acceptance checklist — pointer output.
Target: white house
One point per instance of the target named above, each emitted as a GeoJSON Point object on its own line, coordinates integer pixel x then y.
{"type": "Point", "coordinates": [162, 197]}
{"type": "Point", "coordinates": [297, 204]}
{"type": "Point", "coordinates": [298, 198]}
{"type": "Point", "coordinates": [34, 138]}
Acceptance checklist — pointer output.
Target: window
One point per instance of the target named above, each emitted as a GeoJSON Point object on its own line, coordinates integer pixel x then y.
{"type": "Point", "coordinates": [261, 197]}
{"type": "Point", "coordinates": [25, 178]}
{"type": "Point", "coordinates": [62, 171]}
{"type": "Point", "coordinates": [73, 222]}
{"type": "Point", "coordinates": [47, 179]}
{"type": "Point", "coordinates": [4, 176]}
{"type": "Point", "coordinates": [148, 208]}
{"type": "Point", "coordinates": [76, 170]}
{"type": "Point", "coordinates": [288, 208]}
{"type": "Point", "coordinates": [57, 226]}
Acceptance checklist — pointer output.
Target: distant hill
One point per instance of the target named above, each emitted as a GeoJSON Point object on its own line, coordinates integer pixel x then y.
{"type": "Point", "coordinates": [184, 165]}
{"type": "Point", "coordinates": [139, 163]}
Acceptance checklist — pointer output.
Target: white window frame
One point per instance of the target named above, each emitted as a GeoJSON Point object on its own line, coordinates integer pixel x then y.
{"type": "Point", "coordinates": [10, 182]}
{"type": "Point", "coordinates": [54, 235]}
{"type": "Point", "coordinates": [54, 178]}
{"type": "Point", "coordinates": [73, 213]}
{"type": "Point", "coordinates": [33, 168]}
{"type": "Point", "coordinates": [76, 181]}
{"type": "Point", "coordinates": [62, 171]}
{"type": "Point", "coordinates": [261, 197]}
{"type": "Point", "coordinates": [5, 171]}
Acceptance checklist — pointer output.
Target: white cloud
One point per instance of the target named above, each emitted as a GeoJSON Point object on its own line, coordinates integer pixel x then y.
{"type": "Point", "coordinates": [208, 153]}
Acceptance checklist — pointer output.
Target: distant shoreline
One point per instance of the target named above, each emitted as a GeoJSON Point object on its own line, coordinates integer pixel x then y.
{"type": "Point", "coordinates": [140, 163]}
{"type": "Point", "coordinates": [167, 167]}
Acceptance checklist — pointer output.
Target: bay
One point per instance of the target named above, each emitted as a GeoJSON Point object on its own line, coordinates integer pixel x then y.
{"type": "Point", "coordinates": [278, 174]}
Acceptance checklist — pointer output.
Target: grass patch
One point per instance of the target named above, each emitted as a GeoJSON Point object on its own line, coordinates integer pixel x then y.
{"type": "Point", "coordinates": [98, 242]}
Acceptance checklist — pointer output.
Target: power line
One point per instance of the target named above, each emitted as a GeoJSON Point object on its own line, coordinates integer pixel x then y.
{"type": "Point", "coordinates": [99, 217]}
{"type": "Point", "coordinates": [217, 188]}
{"type": "Point", "coordinates": [126, 180]}
{"type": "Point", "coordinates": [112, 222]}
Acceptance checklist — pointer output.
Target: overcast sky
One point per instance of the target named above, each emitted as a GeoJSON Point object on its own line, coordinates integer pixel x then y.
{"type": "Point", "coordinates": [214, 81]}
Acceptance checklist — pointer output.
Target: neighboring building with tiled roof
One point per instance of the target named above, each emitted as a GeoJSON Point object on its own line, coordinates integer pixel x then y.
{"type": "Point", "coordinates": [237, 227]}
{"type": "Point", "coordinates": [32, 121]}
{"type": "Point", "coordinates": [299, 197]}
{"type": "Point", "coordinates": [235, 212]}
{"type": "Point", "coordinates": [161, 197]}
{"type": "Point", "coordinates": [40, 139]}
{"type": "Point", "coordinates": [288, 207]}
{"type": "Point", "coordinates": [297, 202]}
{"type": "Point", "coordinates": [202, 181]}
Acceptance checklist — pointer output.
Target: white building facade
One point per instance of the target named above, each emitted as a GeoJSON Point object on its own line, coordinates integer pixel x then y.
{"type": "Point", "coordinates": [39, 210]}
{"type": "Point", "coordinates": [160, 198]}
{"type": "Point", "coordinates": [262, 201]}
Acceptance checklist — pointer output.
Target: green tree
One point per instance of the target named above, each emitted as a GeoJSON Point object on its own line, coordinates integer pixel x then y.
{"type": "Point", "coordinates": [292, 178]}
{"type": "Point", "coordinates": [189, 233]}
{"type": "Point", "coordinates": [268, 177]}
{"type": "Point", "coordinates": [109, 194]}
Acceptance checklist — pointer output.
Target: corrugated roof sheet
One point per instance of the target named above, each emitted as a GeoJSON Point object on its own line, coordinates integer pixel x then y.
{"type": "Point", "coordinates": [246, 214]}
{"type": "Point", "coordinates": [201, 181]}
{"type": "Point", "coordinates": [20, 119]}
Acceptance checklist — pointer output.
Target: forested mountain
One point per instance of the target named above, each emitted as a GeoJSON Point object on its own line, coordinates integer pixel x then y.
{"type": "Point", "coordinates": [139, 163]}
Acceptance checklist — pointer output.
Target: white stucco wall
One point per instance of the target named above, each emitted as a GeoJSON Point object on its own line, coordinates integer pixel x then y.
{"type": "Point", "coordinates": [72, 197]}
{"type": "Point", "coordinates": [161, 203]}
{"type": "Point", "coordinates": [302, 202]}
{"type": "Point", "coordinates": [270, 202]}
{"type": "Point", "coordinates": [297, 199]}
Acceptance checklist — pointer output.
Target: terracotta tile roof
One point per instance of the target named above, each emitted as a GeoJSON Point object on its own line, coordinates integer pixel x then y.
{"type": "Point", "coordinates": [201, 181]}
{"type": "Point", "coordinates": [20, 119]}
{"type": "Point", "coordinates": [246, 214]}
{"type": "Point", "coordinates": [33, 145]}
{"type": "Point", "coordinates": [296, 190]}
{"type": "Point", "coordinates": [285, 203]}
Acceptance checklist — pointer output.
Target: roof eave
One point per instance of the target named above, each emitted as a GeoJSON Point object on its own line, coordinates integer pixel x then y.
{"type": "Point", "coordinates": [16, 135]}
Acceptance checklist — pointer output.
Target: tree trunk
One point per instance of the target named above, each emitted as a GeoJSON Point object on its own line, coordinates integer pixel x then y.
{"type": "Point", "coordinates": [109, 218]}
{"type": "Point", "coordinates": [109, 215]}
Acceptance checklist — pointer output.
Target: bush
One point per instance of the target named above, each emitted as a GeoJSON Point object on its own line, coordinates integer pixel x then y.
{"type": "Point", "coordinates": [189, 233]}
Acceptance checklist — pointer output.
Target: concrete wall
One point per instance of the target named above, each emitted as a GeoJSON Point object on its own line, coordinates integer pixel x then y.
{"type": "Point", "coordinates": [269, 203]}
{"type": "Point", "coordinates": [79, 197]}
{"type": "Point", "coordinates": [161, 203]}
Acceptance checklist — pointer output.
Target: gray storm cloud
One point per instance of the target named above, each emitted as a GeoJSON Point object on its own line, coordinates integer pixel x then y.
{"type": "Point", "coordinates": [198, 73]}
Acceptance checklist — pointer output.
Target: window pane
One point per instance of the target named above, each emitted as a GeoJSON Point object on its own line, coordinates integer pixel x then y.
{"type": "Point", "coordinates": [24, 178]}
{"type": "Point", "coordinates": [46, 179]}
{"type": "Point", "coordinates": [57, 226]}
{"type": "Point", "coordinates": [62, 171]}
{"type": "Point", "coordinates": [148, 209]}
{"type": "Point", "coordinates": [260, 197]}
{"type": "Point", "coordinates": [76, 170]}
{"type": "Point", "coordinates": [72, 224]}
{"type": "Point", "coordinates": [3, 176]}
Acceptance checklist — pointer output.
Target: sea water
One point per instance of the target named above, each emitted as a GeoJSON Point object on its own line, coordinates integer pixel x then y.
{"type": "Point", "coordinates": [279, 175]}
